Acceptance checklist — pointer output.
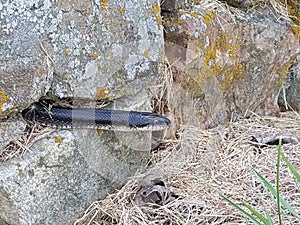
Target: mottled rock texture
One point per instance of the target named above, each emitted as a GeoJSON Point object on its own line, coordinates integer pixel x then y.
{"type": "Point", "coordinates": [243, 4]}
{"type": "Point", "coordinates": [289, 98]}
{"type": "Point", "coordinates": [84, 49]}
{"type": "Point", "coordinates": [228, 65]}
{"type": "Point", "coordinates": [95, 50]}
{"type": "Point", "coordinates": [49, 185]}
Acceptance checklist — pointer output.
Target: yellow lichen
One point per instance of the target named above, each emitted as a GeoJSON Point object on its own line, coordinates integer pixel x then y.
{"type": "Point", "coordinates": [207, 18]}
{"type": "Point", "coordinates": [3, 99]}
{"type": "Point", "coordinates": [193, 14]}
{"type": "Point", "coordinates": [283, 70]}
{"type": "Point", "coordinates": [58, 139]}
{"type": "Point", "coordinates": [156, 7]}
{"type": "Point", "coordinates": [156, 13]}
{"type": "Point", "coordinates": [1, 32]}
{"type": "Point", "coordinates": [232, 73]}
{"type": "Point", "coordinates": [146, 53]}
{"type": "Point", "coordinates": [293, 7]}
{"type": "Point", "coordinates": [41, 71]}
{"type": "Point", "coordinates": [103, 93]}
{"type": "Point", "coordinates": [104, 4]}
{"type": "Point", "coordinates": [296, 30]}
{"type": "Point", "coordinates": [66, 52]}
{"type": "Point", "coordinates": [222, 46]}
{"type": "Point", "coordinates": [181, 11]}
{"type": "Point", "coordinates": [93, 55]}
{"type": "Point", "coordinates": [122, 10]}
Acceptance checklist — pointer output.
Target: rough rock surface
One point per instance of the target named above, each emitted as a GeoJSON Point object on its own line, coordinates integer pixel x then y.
{"type": "Point", "coordinates": [94, 49]}
{"type": "Point", "coordinates": [83, 50]}
{"type": "Point", "coordinates": [54, 175]}
{"type": "Point", "coordinates": [289, 98]}
{"type": "Point", "coordinates": [241, 3]}
{"type": "Point", "coordinates": [227, 65]}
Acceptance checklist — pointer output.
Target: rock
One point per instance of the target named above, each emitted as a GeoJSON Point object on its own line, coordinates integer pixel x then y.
{"type": "Point", "coordinates": [226, 65]}
{"type": "Point", "coordinates": [243, 4]}
{"type": "Point", "coordinates": [90, 50]}
{"type": "Point", "coordinates": [52, 176]}
{"type": "Point", "coordinates": [9, 130]}
{"type": "Point", "coordinates": [61, 176]}
{"type": "Point", "coordinates": [173, 5]}
{"type": "Point", "coordinates": [289, 98]}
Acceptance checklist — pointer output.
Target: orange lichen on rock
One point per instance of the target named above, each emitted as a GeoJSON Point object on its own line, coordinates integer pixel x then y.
{"type": "Point", "coordinates": [156, 13]}
{"type": "Point", "coordinates": [146, 53]}
{"type": "Point", "coordinates": [283, 70]}
{"type": "Point", "coordinates": [220, 58]}
{"type": "Point", "coordinates": [207, 18]}
{"type": "Point", "coordinates": [93, 55]}
{"type": "Point", "coordinates": [3, 99]}
{"type": "Point", "coordinates": [122, 10]}
{"type": "Point", "coordinates": [41, 71]}
{"type": "Point", "coordinates": [66, 52]}
{"type": "Point", "coordinates": [193, 14]}
{"type": "Point", "coordinates": [58, 139]}
{"type": "Point", "coordinates": [104, 4]}
{"type": "Point", "coordinates": [296, 30]}
{"type": "Point", "coordinates": [103, 93]}
{"type": "Point", "coordinates": [293, 7]}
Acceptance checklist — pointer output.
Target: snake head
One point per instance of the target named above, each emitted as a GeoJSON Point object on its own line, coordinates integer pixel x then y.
{"type": "Point", "coordinates": [151, 121]}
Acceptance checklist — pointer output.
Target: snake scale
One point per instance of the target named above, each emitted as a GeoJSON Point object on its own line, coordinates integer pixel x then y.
{"type": "Point", "coordinates": [106, 119]}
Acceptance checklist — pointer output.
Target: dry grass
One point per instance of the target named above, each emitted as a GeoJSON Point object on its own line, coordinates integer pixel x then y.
{"type": "Point", "coordinates": [19, 145]}
{"type": "Point", "coordinates": [225, 158]}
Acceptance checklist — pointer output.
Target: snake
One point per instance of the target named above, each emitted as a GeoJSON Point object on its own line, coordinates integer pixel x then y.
{"type": "Point", "coordinates": [94, 118]}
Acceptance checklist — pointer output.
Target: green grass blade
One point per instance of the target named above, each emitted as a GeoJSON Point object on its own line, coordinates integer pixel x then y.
{"type": "Point", "coordinates": [246, 214]}
{"type": "Point", "coordinates": [277, 181]}
{"type": "Point", "coordinates": [269, 187]}
{"type": "Point", "coordinates": [267, 213]}
{"type": "Point", "coordinates": [291, 168]}
{"type": "Point", "coordinates": [257, 214]}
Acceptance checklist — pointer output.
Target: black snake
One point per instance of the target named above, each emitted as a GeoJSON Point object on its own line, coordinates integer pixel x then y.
{"type": "Point", "coordinates": [107, 119]}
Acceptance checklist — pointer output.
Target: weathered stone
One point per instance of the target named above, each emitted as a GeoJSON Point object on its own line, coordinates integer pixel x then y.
{"type": "Point", "coordinates": [228, 66]}
{"type": "Point", "coordinates": [60, 176]}
{"type": "Point", "coordinates": [84, 50]}
{"type": "Point", "coordinates": [289, 98]}
{"type": "Point", "coordinates": [95, 48]}
{"type": "Point", "coordinates": [10, 130]}
{"type": "Point", "coordinates": [173, 5]}
{"type": "Point", "coordinates": [243, 4]}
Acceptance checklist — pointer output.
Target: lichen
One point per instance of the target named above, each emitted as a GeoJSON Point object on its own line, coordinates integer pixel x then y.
{"type": "Point", "coordinates": [207, 18]}
{"type": "Point", "coordinates": [104, 4]}
{"type": "Point", "coordinates": [283, 70]}
{"type": "Point", "coordinates": [193, 14]}
{"type": "Point", "coordinates": [296, 30]}
{"type": "Point", "coordinates": [146, 53]}
{"type": "Point", "coordinates": [93, 55]}
{"type": "Point", "coordinates": [103, 93]}
{"type": "Point", "coordinates": [122, 10]}
{"type": "Point", "coordinates": [293, 7]}
{"type": "Point", "coordinates": [58, 139]}
{"type": "Point", "coordinates": [223, 46]}
{"type": "Point", "coordinates": [66, 52]}
{"type": "Point", "coordinates": [156, 10]}
{"type": "Point", "coordinates": [3, 99]}
{"type": "Point", "coordinates": [41, 71]}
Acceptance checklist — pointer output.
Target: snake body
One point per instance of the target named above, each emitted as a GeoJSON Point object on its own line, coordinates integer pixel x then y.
{"type": "Point", "coordinates": [107, 119]}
